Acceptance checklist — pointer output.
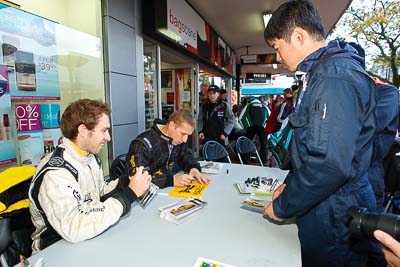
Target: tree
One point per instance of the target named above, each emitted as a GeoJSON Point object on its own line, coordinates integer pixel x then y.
{"type": "Point", "coordinates": [376, 25]}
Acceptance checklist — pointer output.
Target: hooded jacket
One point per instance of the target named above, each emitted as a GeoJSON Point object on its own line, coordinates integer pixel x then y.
{"type": "Point", "coordinates": [333, 127]}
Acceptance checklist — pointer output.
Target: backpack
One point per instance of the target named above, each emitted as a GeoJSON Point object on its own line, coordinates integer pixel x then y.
{"type": "Point", "coordinates": [278, 143]}
{"type": "Point", "coordinates": [16, 225]}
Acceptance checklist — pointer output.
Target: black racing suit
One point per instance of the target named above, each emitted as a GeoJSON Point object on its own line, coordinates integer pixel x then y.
{"type": "Point", "coordinates": [153, 149]}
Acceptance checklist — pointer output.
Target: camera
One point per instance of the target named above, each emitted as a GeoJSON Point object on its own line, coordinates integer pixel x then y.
{"type": "Point", "coordinates": [363, 223]}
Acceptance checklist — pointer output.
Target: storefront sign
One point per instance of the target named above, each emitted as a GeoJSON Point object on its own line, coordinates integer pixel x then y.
{"type": "Point", "coordinates": [182, 24]}
{"type": "Point", "coordinates": [259, 59]}
{"type": "Point", "coordinates": [28, 48]}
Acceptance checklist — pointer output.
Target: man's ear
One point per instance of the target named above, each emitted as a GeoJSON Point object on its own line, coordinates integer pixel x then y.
{"type": "Point", "coordinates": [82, 130]}
{"type": "Point", "coordinates": [299, 36]}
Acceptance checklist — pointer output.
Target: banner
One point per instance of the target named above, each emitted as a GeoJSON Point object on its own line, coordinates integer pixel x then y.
{"type": "Point", "coordinates": [30, 134]}
{"type": "Point", "coordinates": [28, 48]}
{"type": "Point", "coordinates": [7, 143]}
{"type": "Point", "coordinates": [50, 121]}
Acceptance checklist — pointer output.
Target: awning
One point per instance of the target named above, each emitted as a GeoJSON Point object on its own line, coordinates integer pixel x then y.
{"type": "Point", "coordinates": [261, 90]}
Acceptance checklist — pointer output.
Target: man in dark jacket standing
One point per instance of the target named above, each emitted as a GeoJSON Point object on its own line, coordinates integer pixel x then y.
{"type": "Point", "coordinates": [164, 151]}
{"type": "Point", "coordinates": [332, 143]}
{"type": "Point", "coordinates": [217, 118]}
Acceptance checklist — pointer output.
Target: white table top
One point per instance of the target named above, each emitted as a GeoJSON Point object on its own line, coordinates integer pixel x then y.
{"type": "Point", "coordinates": [222, 231]}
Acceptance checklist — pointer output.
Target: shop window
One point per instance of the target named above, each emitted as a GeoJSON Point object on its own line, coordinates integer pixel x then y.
{"type": "Point", "coordinates": [51, 55]}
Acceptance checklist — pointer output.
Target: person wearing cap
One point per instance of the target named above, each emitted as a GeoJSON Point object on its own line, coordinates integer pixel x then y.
{"type": "Point", "coordinates": [223, 95]}
{"type": "Point", "coordinates": [216, 118]}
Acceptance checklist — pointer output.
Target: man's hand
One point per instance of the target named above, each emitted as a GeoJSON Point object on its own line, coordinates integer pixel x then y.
{"type": "Point", "coordinates": [139, 182]}
{"type": "Point", "coordinates": [278, 191]}
{"type": "Point", "coordinates": [391, 248]}
{"type": "Point", "coordinates": [222, 137]}
{"type": "Point", "coordinates": [201, 136]}
{"type": "Point", "coordinates": [269, 211]}
{"type": "Point", "coordinates": [182, 179]}
{"type": "Point", "coordinates": [196, 174]}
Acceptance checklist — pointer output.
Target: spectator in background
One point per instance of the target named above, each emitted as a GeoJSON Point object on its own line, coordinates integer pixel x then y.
{"type": "Point", "coordinates": [253, 119]}
{"type": "Point", "coordinates": [223, 95]}
{"type": "Point", "coordinates": [237, 129]}
{"type": "Point", "coordinates": [285, 108]}
{"type": "Point", "coordinates": [275, 105]}
{"type": "Point", "coordinates": [387, 123]}
{"type": "Point", "coordinates": [333, 129]}
{"type": "Point", "coordinates": [295, 90]}
{"type": "Point", "coordinates": [216, 117]}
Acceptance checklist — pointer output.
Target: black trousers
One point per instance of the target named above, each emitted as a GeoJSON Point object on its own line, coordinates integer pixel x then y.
{"type": "Point", "coordinates": [262, 136]}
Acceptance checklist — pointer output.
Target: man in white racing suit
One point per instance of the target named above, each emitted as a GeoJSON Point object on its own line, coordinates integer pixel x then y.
{"type": "Point", "coordinates": [69, 198]}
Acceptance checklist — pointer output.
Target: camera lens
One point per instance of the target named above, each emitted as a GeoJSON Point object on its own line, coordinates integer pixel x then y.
{"type": "Point", "coordinates": [364, 223]}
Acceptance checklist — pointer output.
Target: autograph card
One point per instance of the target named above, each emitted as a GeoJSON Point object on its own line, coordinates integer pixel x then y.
{"type": "Point", "coordinates": [203, 262]}
{"type": "Point", "coordinates": [195, 189]}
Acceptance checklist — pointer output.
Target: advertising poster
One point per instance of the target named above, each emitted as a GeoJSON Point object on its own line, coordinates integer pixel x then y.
{"type": "Point", "coordinates": [7, 143]}
{"type": "Point", "coordinates": [28, 48]}
{"type": "Point", "coordinates": [50, 121]}
{"type": "Point", "coordinates": [29, 132]}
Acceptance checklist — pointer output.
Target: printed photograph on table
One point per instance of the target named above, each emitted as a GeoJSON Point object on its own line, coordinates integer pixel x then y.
{"type": "Point", "coordinates": [254, 204]}
{"type": "Point", "coordinates": [212, 167]}
{"type": "Point", "coordinates": [203, 262]}
{"type": "Point", "coordinates": [29, 50]}
{"type": "Point", "coordinates": [29, 132]}
{"type": "Point", "coordinates": [182, 210]}
{"type": "Point", "coordinates": [258, 185]}
{"type": "Point", "coordinates": [7, 141]}
{"type": "Point", "coordinates": [194, 189]}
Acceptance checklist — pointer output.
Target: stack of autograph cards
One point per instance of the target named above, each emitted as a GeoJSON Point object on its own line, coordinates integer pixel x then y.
{"type": "Point", "coordinates": [256, 205]}
{"type": "Point", "coordinates": [182, 210]}
{"type": "Point", "coordinates": [258, 185]}
{"type": "Point", "coordinates": [203, 262]}
{"type": "Point", "coordinates": [212, 168]}
{"type": "Point", "coordinates": [148, 195]}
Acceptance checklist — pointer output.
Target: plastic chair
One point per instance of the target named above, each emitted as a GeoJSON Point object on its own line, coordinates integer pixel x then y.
{"type": "Point", "coordinates": [213, 151]}
{"type": "Point", "coordinates": [118, 167]}
{"type": "Point", "coordinates": [244, 145]}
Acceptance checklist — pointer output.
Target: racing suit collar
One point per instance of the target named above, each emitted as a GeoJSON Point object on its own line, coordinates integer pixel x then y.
{"type": "Point", "coordinates": [76, 153]}
{"type": "Point", "coordinates": [158, 124]}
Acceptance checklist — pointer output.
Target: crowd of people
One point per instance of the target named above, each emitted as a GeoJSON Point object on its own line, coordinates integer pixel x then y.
{"type": "Point", "coordinates": [341, 134]}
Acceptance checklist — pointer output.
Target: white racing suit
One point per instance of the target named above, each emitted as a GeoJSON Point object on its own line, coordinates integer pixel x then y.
{"type": "Point", "coordinates": [69, 198]}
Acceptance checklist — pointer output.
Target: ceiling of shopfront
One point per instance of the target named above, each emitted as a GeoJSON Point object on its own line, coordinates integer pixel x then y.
{"type": "Point", "coordinates": [240, 23]}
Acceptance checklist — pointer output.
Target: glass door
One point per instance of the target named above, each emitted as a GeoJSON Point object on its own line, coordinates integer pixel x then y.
{"type": "Point", "coordinates": [150, 58]}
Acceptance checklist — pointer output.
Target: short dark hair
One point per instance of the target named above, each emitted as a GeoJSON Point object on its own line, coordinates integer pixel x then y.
{"type": "Point", "coordinates": [180, 116]}
{"type": "Point", "coordinates": [83, 111]}
{"type": "Point", "coordinates": [291, 14]}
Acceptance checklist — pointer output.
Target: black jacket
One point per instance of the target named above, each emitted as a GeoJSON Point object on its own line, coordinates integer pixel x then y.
{"type": "Point", "coordinates": [152, 149]}
{"type": "Point", "coordinates": [217, 118]}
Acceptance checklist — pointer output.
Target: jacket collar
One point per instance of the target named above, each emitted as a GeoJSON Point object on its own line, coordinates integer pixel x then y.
{"type": "Point", "coordinates": [158, 124]}
{"type": "Point", "coordinates": [333, 47]}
